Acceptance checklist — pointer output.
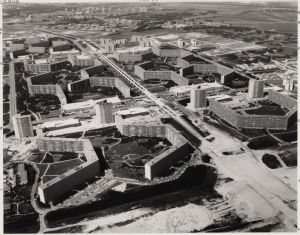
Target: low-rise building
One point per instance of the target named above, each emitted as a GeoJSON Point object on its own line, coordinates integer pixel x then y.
{"type": "Point", "coordinates": [87, 105]}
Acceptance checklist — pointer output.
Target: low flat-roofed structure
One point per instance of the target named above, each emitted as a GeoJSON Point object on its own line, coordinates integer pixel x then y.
{"type": "Point", "coordinates": [87, 105]}
{"type": "Point", "coordinates": [133, 54]}
{"type": "Point", "coordinates": [184, 90]}
{"type": "Point", "coordinates": [59, 124]}
{"type": "Point", "coordinates": [220, 97]}
{"type": "Point", "coordinates": [132, 112]}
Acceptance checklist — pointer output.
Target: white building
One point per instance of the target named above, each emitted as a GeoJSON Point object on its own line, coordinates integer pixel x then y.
{"type": "Point", "coordinates": [256, 88]}
{"type": "Point", "coordinates": [22, 126]}
{"type": "Point", "coordinates": [104, 112]}
{"type": "Point", "coordinates": [198, 98]}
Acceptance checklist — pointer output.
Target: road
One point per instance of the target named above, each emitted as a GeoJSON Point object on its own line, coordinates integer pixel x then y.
{"type": "Point", "coordinates": [12, 92]}
{"type": "Point", "coordinates": [277, 193]}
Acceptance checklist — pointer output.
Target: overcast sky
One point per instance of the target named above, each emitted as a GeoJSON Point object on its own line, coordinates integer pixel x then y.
{"type": "Point", "coordinates": [109, 1]}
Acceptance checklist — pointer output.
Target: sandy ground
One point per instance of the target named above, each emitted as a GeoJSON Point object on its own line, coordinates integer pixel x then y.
{"type": "Point", "coordinates": [180, 219]}
{"type": "Point", "coordinates": [288, 175]}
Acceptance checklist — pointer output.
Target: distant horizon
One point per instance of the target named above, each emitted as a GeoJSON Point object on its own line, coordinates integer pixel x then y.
{"type": "Point", "coordinates": [158, 1]}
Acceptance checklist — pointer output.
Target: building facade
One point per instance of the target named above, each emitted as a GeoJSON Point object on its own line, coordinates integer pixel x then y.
{"type": "Point", "coordinates": [22, 126]}
{"type": "Point", "coordinates": [198, 98]}
{"type": "Point", "coordinates": [256, 88]}
{"type": "Point", "coordinates": [104, 112]}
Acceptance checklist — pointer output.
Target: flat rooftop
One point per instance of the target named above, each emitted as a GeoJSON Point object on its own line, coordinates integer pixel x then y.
{"type": "Point", "coordinates": [133, 50]}
{"type": "Point", "coordinates": [82, 57]}
{"type": "Point", "coordinates": [132, 111]}
{"type": "Point", "coordinates": [205, 86]}
{"type": "Point", "coordinates": [60, 123]}
{"type": "Point", "coordinates": [89, 103]}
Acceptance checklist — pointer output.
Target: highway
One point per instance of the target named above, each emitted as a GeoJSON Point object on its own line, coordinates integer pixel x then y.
{"type": "Point", "coordinates": [260, 179]}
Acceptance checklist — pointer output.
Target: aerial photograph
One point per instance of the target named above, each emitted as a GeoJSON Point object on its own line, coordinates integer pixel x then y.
{"type": "Point", "coordinates": [149, 116]}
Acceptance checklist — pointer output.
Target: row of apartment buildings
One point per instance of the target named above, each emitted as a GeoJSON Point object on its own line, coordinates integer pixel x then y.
{"type": "Point", "coordinates": [148, 125]}
{"type": "Point", "coordinates": [62, 184]}
{"type": "Point", "coordinates": [248, 121]}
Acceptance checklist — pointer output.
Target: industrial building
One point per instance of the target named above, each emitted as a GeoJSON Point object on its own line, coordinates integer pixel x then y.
{"type": "Point", "coordinates": [62, 184]}
{"type": "Point", "coordinates": [256, 88]}
{"type": "Point", "coordinates": [104, 112]}
{"type": "Point", "coordinates": [22, 126]}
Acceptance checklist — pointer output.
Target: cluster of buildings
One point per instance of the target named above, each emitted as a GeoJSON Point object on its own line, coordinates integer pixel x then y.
{"type": "Point", "coordinates": [228, 109]}
{"type": "Point", "coordinates": [146, 123]}
{"type": "Point", "coordinates": [36, 46]}
{"type": "Point", "coordinates": [34, 87]}
{"type": "Point", "coordinates": [191, 69]}
{"type": "Point", "coordinates": [97, 76]}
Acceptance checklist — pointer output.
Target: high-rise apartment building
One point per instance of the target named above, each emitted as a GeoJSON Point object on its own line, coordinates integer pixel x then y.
{"type": "Point", "coordinates": [198, 98]}
{"type": "Point", "coordinates": [22, 126]}
{"type": "Point", "coordinates": [104, 112]}
{"type": "Point", "coordinates": [256, 88]}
